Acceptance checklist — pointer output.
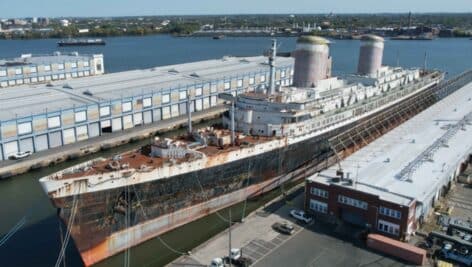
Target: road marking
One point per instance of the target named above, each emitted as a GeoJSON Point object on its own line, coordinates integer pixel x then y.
{"type": "Point", "coordinates": [278, 245]}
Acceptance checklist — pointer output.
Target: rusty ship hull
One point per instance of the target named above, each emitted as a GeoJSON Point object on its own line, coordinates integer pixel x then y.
{"type": "Point", "coordinates": [110, 221]}
{"type": "Point", "coordinates": [100, 229]}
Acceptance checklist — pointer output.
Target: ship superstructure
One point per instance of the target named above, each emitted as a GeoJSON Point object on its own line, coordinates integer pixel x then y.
{"type": "Point", "coordinates": [268, 135]}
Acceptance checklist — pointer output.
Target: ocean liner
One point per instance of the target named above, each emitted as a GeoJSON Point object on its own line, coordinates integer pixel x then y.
{"type": "Point", "coordinates": [267, 135]}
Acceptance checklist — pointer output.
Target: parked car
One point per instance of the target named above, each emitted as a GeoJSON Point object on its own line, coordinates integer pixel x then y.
{"type": "Point", "coordinates": [284, 228]}
{"type": "Point", "coordinates": [301, 216]}
{"type": "Point", "coordinates": [217, 262]}
{"type": "Point", "coordinates": [467, 238]}
{"type": "Point", "coordinates": [20, 155]}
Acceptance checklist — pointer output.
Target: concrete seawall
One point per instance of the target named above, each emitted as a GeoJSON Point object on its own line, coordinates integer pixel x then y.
{"type": "Point", "coordinates": [10, 168]}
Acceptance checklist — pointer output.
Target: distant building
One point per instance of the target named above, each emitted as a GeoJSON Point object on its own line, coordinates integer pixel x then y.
{"type": "Point", "coordinates": [43, 21]}
{"type": "Point", "coordinates": [165, 22]}
{"type": "Point", "coordinates": [44, 68]}
{"type": "Point", "coordinates": [446, 33]}
{"type": "Point", "coordinates": [64, 22]}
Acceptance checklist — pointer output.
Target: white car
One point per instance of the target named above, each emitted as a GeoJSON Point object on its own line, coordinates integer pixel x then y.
{"type": "Point", "coordinates": [301, 216]}
{"type": "Point", "coordinates": [20, 155]}
{"type": "Point", "coordinates": [217, 262]}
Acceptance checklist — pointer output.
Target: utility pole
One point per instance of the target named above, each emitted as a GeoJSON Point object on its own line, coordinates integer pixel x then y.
{"type": "Point", "coordinates": [229, 239]}
{"type": "Point", "coordinates": [425, 61]}
{"type": "Point", "coordinates": [232, 124]}
{"type": "Point", "coordinates": [272, 56]}
{"type": "Point", "coordinates": [189, 115]}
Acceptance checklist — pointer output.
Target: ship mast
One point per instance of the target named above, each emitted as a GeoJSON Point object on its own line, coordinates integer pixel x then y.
{"type": "Point", "coordinates": [272, 55]}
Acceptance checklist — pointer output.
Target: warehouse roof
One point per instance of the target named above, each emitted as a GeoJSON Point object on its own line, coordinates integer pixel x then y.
{"type": "Point", "coordinates": [34, 99]}
{"type": "Point", "coordinates": [43, 59]}
{"type": "Point", "coordinates": [413, 160]}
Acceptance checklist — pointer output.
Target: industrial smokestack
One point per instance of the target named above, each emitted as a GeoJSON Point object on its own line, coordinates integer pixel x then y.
{"type": "Point", "coordinates": [312, 61]}
{"type": "Point", "coordinates": [371, 53]}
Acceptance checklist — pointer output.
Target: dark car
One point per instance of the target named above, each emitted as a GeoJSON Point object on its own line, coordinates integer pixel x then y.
{"type": "Point", "coordinates": [284, 228]}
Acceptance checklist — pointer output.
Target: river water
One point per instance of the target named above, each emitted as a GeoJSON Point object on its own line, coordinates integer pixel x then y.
{"type": "Point", "coordinates": [37, 243]}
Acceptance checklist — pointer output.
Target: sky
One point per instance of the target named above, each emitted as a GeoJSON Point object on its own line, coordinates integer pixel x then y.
{"type": "Point", "coordinates": [91, 8]}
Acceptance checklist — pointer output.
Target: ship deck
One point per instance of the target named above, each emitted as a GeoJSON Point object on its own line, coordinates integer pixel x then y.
{"type": "Point", "coordinates": [141, 159]}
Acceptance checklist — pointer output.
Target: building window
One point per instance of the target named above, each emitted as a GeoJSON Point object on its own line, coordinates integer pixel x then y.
{"type": "Point", "coordinates": [263, 78]}
{"type": "Point", "coordinates": [352, 202]}
{"type": "Point", "coordinates": [388, 227]}
{"type": "Point", "coordinates": [18, 71]}
{"type": "Point", "coordinates": [165, 98]}
{"type": "Point", "coordinates": [80, 116]}
{"type": "Point", "coordinates": [147, 102]}
{"type": "Point", "coordinates": [86, 63]}
{"type": "Point", "coordinates": [47, 67]}
{"type": "Point", "coordinates": [24, 128]}
{"type": "Point", "coordinates": [282, 74]}
{"type": "Point", "coordinates": [213, 88]}
{"type": "Point", "coordinates": [240, 83]}
{"type": "Point", "coordinates": [60, 66]}
{"type": "Point", "coordinates": [227, 85]}
{"type": "Point", "coordinates": [73, 65]}
{"type": "Point", "coordinates": [105, 111]}
{"type": "Point", "coordinates": [33, 69]}
{"type": "Point", "coordinates": [319, 192]}
{"type": "Point", "coordinates": [198, 91]}
{"type": "Point", "coordinates": [251, 81]}
{"type": "Point", "coordinates": [390, 212]}
{"type": "Point", "coordinates": [54, 122]}
{"type": "Point", "coordinates": [318, 206]}
{"type": "Point", "coordinates": [126, 107]}
{"type": "Point", "coordinates": [183, 95]}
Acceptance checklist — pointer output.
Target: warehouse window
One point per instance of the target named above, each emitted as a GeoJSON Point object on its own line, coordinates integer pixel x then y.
{"type": "Point", "coordinates": [86, 63]}
{"type": "Point", "coordinates": [183, 95]}
{"type": "Point", "coordinates": [18, 71]}
{"type": "Point", "coordinates": [240, 83]}
{"type": "Point", "coordinates": [227, 85]}
{"type": "Point", "coordinates": [319, 192]}
{"type": "Point", "coordinates": [352, 202]}
{"type": "Point", "coordinates": [318, 206]}
{"type": "Point", "coordinates": [33, 69]}
{"type": "Point", "coordinates": [263, 78]}
{"type": "Point", "coordinates": [165, 98]}
{"type": "Point", "coordinates": [147, 102]}
{"type": "Point", "coordinates": [388, 227]}
{"type": "Point", "coordinates": [126, 107]}
{"type": "Point", "coordinates": [198, 91]}
{"type": "Point", "coordinates": [104, 111]}
{"type": "Point", "coordinates": [390, 212]}
{"type": "Point", "coordinates": [54, 122]}
{"type": "Point", "coordinates": [251, 81]}
{"type": "Point", "coordinates": [73, 65]}
{"type": "Point", "coordinates": [24, 128]}
{"type": "Point", "coordinates": [60, 66]}
{"type": "Point", "coordinates": [47, 67]}
{"type": "Point", "coordinates": [80, 116]}
{"type": "Point", "coordinates": [213, 88]}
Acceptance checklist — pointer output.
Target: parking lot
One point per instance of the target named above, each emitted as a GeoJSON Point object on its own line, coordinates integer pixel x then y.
{"type": "Point", "coordinates": [313, 244]}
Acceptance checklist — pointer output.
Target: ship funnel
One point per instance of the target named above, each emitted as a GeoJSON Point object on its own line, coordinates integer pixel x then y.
{"type": "Point", "coordinates": [371, 53]}
{"type": "Point", "coordinates": [312, 61]}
